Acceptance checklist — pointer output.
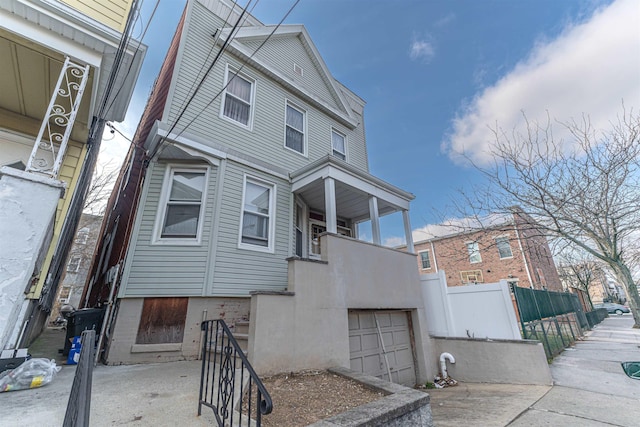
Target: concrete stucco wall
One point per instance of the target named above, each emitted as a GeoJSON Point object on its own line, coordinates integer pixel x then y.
{"type": "Point", "coordinates": [495, 361]}
{"type": "Point", "coordinates": [308, 329]}
{"type": "Point", "coordinates": [27, 207]}
{"type": "Point", "coordinates": [124, 350]}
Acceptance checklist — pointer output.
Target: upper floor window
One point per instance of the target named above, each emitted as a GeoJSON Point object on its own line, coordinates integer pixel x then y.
{"type": "Point", "coordinates": [474, 252]}
{"type": "Point", "coordinates": [338, 144]}
{"type": "Point", "coordinates": [295, 129]}
{"type": "Point", "coordinates": [74, 263]}
{"type": "Point", "coordinates": [257, 223]}
{"type": "Point", "coordinates": [83, 236]}
{"type": "Point", "coordinates": [238, 98]}
{"type": "Point", "coordinates": [182, 204]}
{"type": "Point", "coordinates": [504, 248]}
{"type": "Point", "coordinates": [425, 262]}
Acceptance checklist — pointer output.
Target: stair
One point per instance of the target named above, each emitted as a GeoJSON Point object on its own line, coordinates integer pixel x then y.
{"type": "Point", "coordinates": [241, 334]}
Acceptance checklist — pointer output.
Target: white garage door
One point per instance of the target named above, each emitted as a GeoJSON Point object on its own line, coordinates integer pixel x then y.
{"type": "Point", "coordinates": [367, 354]}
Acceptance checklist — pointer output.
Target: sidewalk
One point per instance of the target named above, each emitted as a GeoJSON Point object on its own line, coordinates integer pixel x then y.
{"type": "Point", "coordinates": [589, 388]}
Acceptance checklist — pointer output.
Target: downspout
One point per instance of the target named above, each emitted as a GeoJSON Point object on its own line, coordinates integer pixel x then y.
{"type": "Point", "coordinates": [524, 258]}
{"type": "Point", "coordinates": [435, 260]}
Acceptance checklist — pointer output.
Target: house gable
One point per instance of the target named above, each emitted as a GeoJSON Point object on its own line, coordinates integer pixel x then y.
{"type": "Point", "coordinates": [290, 57]}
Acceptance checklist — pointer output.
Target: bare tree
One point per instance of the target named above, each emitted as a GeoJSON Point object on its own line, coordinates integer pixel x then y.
{"type": "Point", "coordinates": [583, 273]}
{"type": "Point", "coordinates": [583, 189]}
{"type": "Point", "coordinates": [104, 177]}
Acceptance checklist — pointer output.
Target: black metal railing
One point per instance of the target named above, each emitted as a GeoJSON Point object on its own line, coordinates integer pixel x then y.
{"type": "Point", "coordinates": [79, 404]}
{"type": "Point", "coordinates": [228, 383]}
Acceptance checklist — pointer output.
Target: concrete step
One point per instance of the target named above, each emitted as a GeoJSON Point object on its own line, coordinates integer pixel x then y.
{"type": "Point", "coordinates": [243, 340]}
{"type": "Point", "coordinates": [241, 327]}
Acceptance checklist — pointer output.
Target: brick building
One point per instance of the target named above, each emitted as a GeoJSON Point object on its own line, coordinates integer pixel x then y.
{"type": "Point", "coordinates": [509, 247]}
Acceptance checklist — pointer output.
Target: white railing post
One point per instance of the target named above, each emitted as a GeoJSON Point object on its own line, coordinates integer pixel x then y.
{"type": "Point", "coordinates": [58, 120]}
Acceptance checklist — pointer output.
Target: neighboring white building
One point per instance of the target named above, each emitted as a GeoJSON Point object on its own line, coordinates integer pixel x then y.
{"type": "Point", "coordinates": [62, 78]}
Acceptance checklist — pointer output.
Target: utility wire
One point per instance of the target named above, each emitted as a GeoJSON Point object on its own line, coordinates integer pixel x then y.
{"type": "Point", "coordinates": [157, 148]}
{"type": "Point", "coordinates": [202, 80]}
{"type": "Point", "coordinates": [144, 32]}
{"type": "Point", "coordinates": [215, 43]}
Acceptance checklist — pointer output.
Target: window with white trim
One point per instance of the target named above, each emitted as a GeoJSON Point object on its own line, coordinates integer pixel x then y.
{"type": "Point", "coordinates": [74, 263]}
{"type": "Point", "coordinates": [471, 276]}
{"type": "Point", "coordinates": [182, 204]}
{"type": "Point", "coordinates": [295, 123]}
{"type": "Point", "coordinates": [425, 262]}
{"type": "Point", "coordinates": [64, 294]}
{"type": "Point", "coordinates": [504, 248]}
{"type": "Point", "coordinates": [238, 98]}
{"type": "Point", "coordinates": [339, 144]}
{"type": "Point", "coordinates": [474, 252]}
{"type": "Point", "coordinates": [256, 228]}
{"type": "Point", "coordinates": [83, 236]}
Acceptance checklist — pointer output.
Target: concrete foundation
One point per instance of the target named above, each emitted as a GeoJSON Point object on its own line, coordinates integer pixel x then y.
{"type": "Point", "coordinates": [307, 327]}
{"type": "Point", "coordinates": [495, 361]}
{"type": "Point", "coordinates": [123, 348]}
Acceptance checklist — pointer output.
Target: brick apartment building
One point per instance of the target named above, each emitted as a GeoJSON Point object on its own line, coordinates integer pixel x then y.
{"type": "Point", "coordinates": [510, 248]}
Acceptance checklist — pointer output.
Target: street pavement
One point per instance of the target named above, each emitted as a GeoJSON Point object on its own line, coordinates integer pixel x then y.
{"type": "Point", "coordinates": [590, 389]}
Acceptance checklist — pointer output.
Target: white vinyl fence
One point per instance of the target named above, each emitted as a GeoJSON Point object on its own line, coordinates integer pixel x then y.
{"type": "Point", "coordinates": [475, 311]}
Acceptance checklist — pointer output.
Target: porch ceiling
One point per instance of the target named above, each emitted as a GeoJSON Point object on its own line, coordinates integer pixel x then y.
{"type": "Point", "coordinates": [29, 75]}
{"type": "Point", "coordinates": [353, 189]}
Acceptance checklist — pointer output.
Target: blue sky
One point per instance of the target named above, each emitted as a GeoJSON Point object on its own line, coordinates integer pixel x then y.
{"type": "Point", "coordinates": [436, 74]}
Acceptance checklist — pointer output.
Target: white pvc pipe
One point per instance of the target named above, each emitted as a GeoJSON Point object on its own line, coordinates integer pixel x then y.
{"type": "Point", "coordinates": [443, 363]}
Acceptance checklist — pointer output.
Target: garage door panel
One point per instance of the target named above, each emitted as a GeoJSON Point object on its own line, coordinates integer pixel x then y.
{"type": "Point", "coordinates": [370, 341]}
{"type": "Point", "coordinates": [366, 351]}
{"type": "Point", "coordinates": [355, 343]}
{"type": "Point", "coordinates": [400, 319]}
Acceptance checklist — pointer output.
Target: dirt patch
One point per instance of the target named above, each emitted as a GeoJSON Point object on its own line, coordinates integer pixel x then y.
{"type": "Point", "coordinates": [303, 398]}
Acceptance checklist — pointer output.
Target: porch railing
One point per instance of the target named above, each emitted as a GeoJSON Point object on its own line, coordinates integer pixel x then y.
{"type": "Point", "coordinates": [228, 383]}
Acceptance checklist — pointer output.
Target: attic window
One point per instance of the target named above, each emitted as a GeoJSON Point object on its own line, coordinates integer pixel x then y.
{"type": "Point", "coordinates": [298, 69]}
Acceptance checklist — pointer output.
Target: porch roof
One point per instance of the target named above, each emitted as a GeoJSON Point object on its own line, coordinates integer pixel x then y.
{"type": "Point", "coordinates": [353, 187]}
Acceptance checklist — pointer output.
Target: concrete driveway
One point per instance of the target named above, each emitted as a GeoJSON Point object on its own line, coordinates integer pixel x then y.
{"type": "Point", "coordinates": [589, 388]}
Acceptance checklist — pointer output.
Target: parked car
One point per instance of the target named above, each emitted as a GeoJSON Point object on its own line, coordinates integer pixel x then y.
{"type": "Point", "coordinates": [613, 308]}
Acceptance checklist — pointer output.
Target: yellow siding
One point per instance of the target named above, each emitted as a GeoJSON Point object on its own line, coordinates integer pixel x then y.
{"type": "Point", "coordinates": [109, 12]}
{"type": "Point", "coordinates": [69, 173]}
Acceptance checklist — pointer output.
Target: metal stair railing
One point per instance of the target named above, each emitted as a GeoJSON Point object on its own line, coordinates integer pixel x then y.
{"type": "Point", "coordinates": [228, 384]}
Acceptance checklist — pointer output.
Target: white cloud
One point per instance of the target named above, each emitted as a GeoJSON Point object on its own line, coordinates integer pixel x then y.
{"type": "Point", "coordinates": [421, 49]}
{"type": "Point", "coordinates": [589, 69]}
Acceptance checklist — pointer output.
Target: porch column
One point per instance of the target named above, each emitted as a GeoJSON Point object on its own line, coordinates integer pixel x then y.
{"type": "Point", "coordinates": [407, 231]}
{"type": "Point", "coordinates": [375, 219]}
{"type": "Point", "coordinates": [330, 205]}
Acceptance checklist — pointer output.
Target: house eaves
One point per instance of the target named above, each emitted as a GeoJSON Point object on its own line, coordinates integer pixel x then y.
{"type": "Point", "coordinates": [356, 177]}
{"type": "Point", "coordinates": [65, 30]}
{"type": "Point", "coordinates": [345, 116]}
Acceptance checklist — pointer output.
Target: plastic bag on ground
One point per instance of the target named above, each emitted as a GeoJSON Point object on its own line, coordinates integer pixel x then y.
{"type": "Point", "coordinates": [31, 374]}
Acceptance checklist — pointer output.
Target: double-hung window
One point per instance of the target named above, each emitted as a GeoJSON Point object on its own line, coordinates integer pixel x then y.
{"type": "Point", "coordinates": [474, 252]}
{"type": "Point", "coordinates": [425, 262]}
{"type": "Point", "coordinates": [295, 129]}
{"type": "Point", "coordinates": [238, 98]}
{"type": "Point", "coordinates": [182, 206]}
{"type": "Point", "coordinates": [338, 144]}
{"type": "Point", "coordinates": [504, 248]}
{"type": "Point", "coordinates": [256, 228]}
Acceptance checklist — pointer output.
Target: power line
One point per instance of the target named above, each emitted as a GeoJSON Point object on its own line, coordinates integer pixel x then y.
{"type": "Point", "coordinates": [215, 42]}
{"type": "Point", "coordinates": [157, 148]}
{"type": "Point", "coordinates": [202, 80]}
{"type": "Point", "coordinates": [144, 32]}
